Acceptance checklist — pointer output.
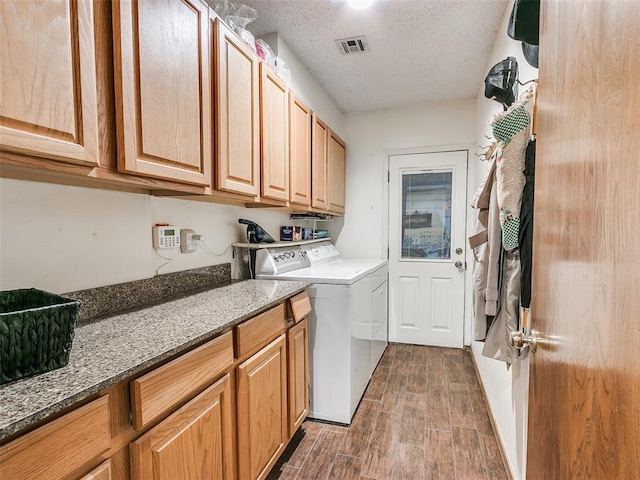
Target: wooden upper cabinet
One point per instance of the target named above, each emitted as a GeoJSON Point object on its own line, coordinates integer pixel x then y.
{"type": "Point", "coordinates": [48, 100]}
{"type": "Point", "coordinates": [336, 173]}
{"type": "Point", "coordinates": [319, 158]}
{"type": "Point", "coordinates": [162, 81]}
{"type": "Point", "coordinates": [299, 151]}
{"type": "Point", "coordinates": [274, 116]}
{"type": "Point", "coordinates": [237, 113]}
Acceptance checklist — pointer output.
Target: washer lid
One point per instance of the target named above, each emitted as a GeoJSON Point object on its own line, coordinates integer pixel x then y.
{"type": "Point", "coordinates": [339, 272]}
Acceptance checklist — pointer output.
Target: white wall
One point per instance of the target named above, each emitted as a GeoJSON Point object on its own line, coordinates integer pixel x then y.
{"type": "Point", "coordinates": [306, 86]}
{"type": "Point", "coordinates": [507, 390]}
{"type": "Point", "coordinates": [61, 238]}
{"type": "Point", "coordinates": [371, 136]}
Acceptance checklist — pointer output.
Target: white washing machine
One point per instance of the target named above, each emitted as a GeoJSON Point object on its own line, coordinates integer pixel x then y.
{"type": "Point", "coordinates": [347, 327]}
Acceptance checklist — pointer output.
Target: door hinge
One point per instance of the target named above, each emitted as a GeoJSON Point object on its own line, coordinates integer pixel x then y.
{"type": "Point", "coordinates": [388, 176]}
{"type": "Point", "coordinates": [387, 252]}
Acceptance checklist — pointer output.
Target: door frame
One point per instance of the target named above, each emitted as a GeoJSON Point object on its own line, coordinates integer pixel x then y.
{"type": "Point", "coordinates": [469, 218]}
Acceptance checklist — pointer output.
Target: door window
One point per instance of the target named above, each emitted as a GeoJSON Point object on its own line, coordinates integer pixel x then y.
{"type": "Point", "coordinates": [426, 214]}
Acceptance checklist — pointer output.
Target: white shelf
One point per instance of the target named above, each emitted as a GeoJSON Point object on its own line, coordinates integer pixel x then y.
{"type": "Point", "coordinates": [313, 223]}
{"type": "Point", "coordinates": [258, 246]}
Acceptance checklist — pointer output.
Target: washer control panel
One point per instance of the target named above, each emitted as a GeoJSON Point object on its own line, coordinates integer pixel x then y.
{"type": "Point", "coordinates": [320, 253]}
{"type": "Point", "coordinates": [270, 261]}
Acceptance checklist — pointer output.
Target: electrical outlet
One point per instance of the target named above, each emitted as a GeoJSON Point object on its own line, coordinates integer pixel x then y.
{"type": "Point", "coordinates": [188, 244]}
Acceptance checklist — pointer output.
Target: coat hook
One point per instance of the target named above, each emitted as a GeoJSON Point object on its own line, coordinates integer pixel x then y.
{"type": "Point", "coordinates": [487, 137]}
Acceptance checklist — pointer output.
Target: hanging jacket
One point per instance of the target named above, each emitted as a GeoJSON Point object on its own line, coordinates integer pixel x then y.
{"type": "Point", "coordinates": [512, 128]}
{"type": "Point", "coordinates": [525, 237]}
{"type": "Point", "coordinates": [494, 239]}
{"type": "Point", "coordinates": [479, 246]}
{"type": "Point", "coordinates": [497, 344]}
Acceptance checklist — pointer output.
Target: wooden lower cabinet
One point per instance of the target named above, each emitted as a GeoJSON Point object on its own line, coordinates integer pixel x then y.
{"type": "Point", "coordinates": [102, 472]}
{"type": "Point", "coordinates": [263, 429]}
{"type": "Point", "coordinates": [234, 428]}
{"type": "Point", "coordinates": [196, 442]}
{"type": "Point", "coordinates": [61, 447]}
{"type": "Point", "coordinates": [298, 346]}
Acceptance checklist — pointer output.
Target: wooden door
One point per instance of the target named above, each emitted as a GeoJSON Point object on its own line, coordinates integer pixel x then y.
{"type": "Point", "coordinates": [162, 89]}
{"type": "Point", "coordinates": [584, 392]}
{"type": "Point", "coordinates": [274, 115]}
{"type": "Point", "coordinates": [298, 350]}
{"type": "Point", "coordinates": [237, 114]}
{"type": "Point", "coordinates": [319, 158]}
{"type": "Point", "coordinates": [427, 217]}
{"type": "Point", "coordinates": [299, 151]}
{"type": "Point", "coordinates": [48, 104]}
{"type": "Point", "coordinates": [196, 442]}
{"type": "Point", "coordinates": [336, 173]}
{"type": "Point", "coordinates": [263, 429]}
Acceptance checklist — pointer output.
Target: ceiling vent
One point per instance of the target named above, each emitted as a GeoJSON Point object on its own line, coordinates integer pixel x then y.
{"type": "Point", "coordinates": [352, 45]}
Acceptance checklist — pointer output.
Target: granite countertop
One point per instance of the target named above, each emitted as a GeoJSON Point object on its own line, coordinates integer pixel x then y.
{"type": "Point", "coordinates": [113, 349]}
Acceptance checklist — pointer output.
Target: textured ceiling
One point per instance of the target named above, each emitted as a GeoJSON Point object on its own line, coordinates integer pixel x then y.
{"type": "Point", "coordinates": [422, 51]}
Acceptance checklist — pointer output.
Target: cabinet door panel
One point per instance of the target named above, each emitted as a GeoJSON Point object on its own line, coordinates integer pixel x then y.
{"type": "Point", "coordinates": [299, 151]}
{"type": "Point", "coordinates": [237, 114]}
{"type": "Point", "coordinates": [336, 174]}
{"type": "Point", "coordinates": [196, 442]}
{"type": "Point", "coordinates": [274, 111]}
{"type": "Point", "coordinates": [262, 410]}
{"type": "Point", "coordinates": [102, 472]}
{"type": "Point", "coordinates": [48, 104]}
{"type": "Point", "coordinates": [298, 349]}
{"type": "Point", "coordinates": [319, 160]}
{"type": "Point", "coordinates": [162, 89]}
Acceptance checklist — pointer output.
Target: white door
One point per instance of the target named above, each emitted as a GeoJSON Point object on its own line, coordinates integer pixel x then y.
{"type": "Point", "coordinates": [427, 211]}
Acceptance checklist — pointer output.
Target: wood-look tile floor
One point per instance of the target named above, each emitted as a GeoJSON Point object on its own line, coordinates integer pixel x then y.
{"type": "Point", "coordinates": [422, 417]}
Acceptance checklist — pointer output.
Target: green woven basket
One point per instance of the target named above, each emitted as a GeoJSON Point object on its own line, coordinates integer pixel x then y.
{"type": "Point", "coordinates": [36, 332]}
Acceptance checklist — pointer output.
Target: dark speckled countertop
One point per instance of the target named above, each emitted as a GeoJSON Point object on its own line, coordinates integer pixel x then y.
{"type": "Point", "coordinates": [116, 348]}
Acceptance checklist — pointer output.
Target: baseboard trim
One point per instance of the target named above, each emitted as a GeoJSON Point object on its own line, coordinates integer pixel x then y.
{"type": "Point", "coordinates": [503, 453]}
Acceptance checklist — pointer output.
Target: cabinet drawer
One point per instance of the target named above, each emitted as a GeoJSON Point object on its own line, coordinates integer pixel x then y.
{"type": "Point", "coordinates": [300, 306]}
{"type": "Point", "coordinates": [159, 391]}
{"type": "Point", "coordinates": [62, 446]}
{"type": "Point", "coordinates": [256, 333]}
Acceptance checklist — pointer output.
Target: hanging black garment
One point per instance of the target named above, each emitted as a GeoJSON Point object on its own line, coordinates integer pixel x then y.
{"type": "Point", "coordinates": [524, 23]}
{"type": "Point", "coordinates": [525, 236]}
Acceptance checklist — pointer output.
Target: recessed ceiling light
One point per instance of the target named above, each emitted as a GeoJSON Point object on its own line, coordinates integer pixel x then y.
{"type": "Point", "coordinates": [360, 4]}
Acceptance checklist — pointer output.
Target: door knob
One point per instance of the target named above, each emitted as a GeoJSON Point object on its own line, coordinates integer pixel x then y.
{"type": "Point", "coordinates": [458, 264]}
{"type": "Point", "coordinates": [458, 251]}
{"type": "Point", "coordinates": [520, 340]}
